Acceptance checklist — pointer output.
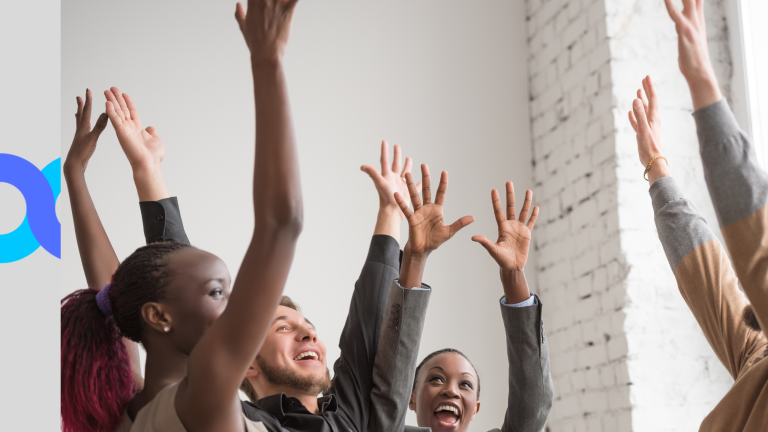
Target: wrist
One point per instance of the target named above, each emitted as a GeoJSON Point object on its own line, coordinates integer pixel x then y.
{"type": "Point", "coordinates": [71, 167]}
{"type": "Point", "coordinates": [150, 184]}
{"type": "Point", "coordinates": [515, 285]}
{"type": "Point", "coordinates": [705, 91]}
{"type": "Point", "coordinates": [388, 223]}
{"type": "Point", "coordinates": [659, 169]}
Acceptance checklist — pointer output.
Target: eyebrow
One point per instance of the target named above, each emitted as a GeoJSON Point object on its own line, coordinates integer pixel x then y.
{"type": "Point", "coordinates": [285, 318]}
{"type": "Point", "coordinates": [220, 280]}
{"type": "Point", "coordinates": [443, 370]}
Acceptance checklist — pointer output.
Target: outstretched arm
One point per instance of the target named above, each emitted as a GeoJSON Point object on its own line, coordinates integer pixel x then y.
{"type": "Point", "coordinates": [207, 399]}
{"type": "Point", "coordinates": [736, 183]}
{"type": "Point", "coordinates": [704, 274]}
{"type": "Point", "coordinates": [530, 384]}
{"type": "Point", "coordinates": [145, 151]}
{"type": "Point", "coordinates": [96, 252]}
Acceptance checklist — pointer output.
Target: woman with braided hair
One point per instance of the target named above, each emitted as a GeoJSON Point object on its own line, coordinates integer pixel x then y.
{"type": "Point", "coordinates": [174, 298]}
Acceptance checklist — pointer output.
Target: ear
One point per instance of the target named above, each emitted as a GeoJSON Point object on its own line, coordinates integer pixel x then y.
{"type": "Point", "coordinates": [253, 370]}
{"type": "Point", "coordinates": [156, 317]}
{"type": "Point", "coordinates": [412, 402]}
{"type": "Point", "coordinates": [477, 410]}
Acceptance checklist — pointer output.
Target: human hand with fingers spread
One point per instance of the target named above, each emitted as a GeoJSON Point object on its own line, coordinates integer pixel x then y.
{"type": "Point", "coordinates": [266, 26]}
{"type": "Point", "coordinates": [388, 181]}
{"type": "Point", "coordinates": [143, 147]}
{"type": "Point", "coordinates": [646, 121]}
{"type": "Point", "coordinates": [84, 143]}
{"type": "Point", "coordinates": [511, 249]}
{"type": "Point", "coordinates": [426, 229]}
{"type": "Point", "coordinates": [693, 53]}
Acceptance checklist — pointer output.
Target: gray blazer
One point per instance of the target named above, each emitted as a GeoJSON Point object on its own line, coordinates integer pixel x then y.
{"type": "Point", "coordinates": [530, 383]}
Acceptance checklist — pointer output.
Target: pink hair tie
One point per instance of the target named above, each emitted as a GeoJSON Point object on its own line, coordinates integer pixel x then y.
{"type": "Point", "coordinates": [102, 299]}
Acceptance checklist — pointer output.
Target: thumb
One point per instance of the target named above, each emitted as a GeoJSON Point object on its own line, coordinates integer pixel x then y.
{"type": "Point", "coordinates": [101, 124]}
{"type": "Point", "coordinates": [371, 171]}
{"type": "Point", "coordinates": [152, 131]}
{"type": "Point", "coordinates": [485, 242]}
{"type": "Point", "coordinates": [461, 223]}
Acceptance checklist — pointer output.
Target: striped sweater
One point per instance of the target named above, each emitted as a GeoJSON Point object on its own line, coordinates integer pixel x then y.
{"type": "Point", "coordinates": [707, 279]}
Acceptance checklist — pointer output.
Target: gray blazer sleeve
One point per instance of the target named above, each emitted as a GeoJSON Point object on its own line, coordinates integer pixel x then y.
{"type": "Point", "coordinates": [530, 383]}
{"type": "Point", "coordinates": [396, 358]}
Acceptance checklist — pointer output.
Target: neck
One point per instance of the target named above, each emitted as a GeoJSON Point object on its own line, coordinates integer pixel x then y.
{"type": "Point", "coordinates": [165, 366]}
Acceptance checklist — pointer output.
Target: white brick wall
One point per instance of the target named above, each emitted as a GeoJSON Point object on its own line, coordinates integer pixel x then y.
{"type": "Point", "coordinates": [626, 352]}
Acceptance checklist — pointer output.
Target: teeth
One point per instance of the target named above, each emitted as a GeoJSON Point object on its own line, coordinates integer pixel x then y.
{"type": "Point", "coordinates": [307, 354]}
{"type": "Point", "coordinates": [448, 408]}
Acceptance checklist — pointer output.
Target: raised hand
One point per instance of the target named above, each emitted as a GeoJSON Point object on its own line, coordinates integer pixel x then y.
{"type": "Point", "coordinates": [646, 122]}
{"type": "Point", "coordinates": [511, 249]}
{"type": "Point", "coordinates": [426, 230]}
{"type": "Point", "coordinates": [693, 54]}
{"type": "Point", "coordinates": [143, 147]}
{"type": "Point", "coordinates": [390, 179]}
{"type": "Point", "coordinates": [266, 27]}
{"type": "Point", "coordinates": [84, 143]}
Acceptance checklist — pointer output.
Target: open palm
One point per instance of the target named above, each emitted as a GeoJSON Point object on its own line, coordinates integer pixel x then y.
{"type": "Point", "coordinates": [426, 230]}
{"type": "Point", "coordinates": [142, 147]}
{"type": "Point", "coordinates": [511, 249]}
{"type": "Point", "coordinates": [390, 179]}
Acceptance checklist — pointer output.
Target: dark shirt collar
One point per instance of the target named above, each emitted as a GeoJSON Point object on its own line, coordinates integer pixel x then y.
{"type": "Point", "coordinates": [280, 405]}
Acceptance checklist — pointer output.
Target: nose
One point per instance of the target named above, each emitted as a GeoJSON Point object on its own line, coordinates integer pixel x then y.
{"type": "Point", "coordinates": [451, 391]}
{"type": "Point", "coordinates": [308, 333]}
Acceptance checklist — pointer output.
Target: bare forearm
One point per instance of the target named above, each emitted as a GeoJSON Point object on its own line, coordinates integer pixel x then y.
{"type": "Point", "coordinates": [388, 223]}
{"type": "Point", "coordinates": [515, 286]}
{"type": "Point", "coordinates": [96, 252]}
{"type": "Point", "coordinates": [276, 184]}
{"type": "Point", "coordinates": [412, 269]}
{"type": "Point", "coordinates": [704, 91]}
{"type": "Point", "coordinates": [150, 184]}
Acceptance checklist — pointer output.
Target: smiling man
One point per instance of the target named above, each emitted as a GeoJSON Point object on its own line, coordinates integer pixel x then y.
{"type": "Point", "coordinates": [288, 383]}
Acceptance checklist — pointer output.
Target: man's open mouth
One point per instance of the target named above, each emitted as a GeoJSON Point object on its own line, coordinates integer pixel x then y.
{"type": "Point", "coordinates": [447, 415]}
{"type": "Point", "coordinates": [307, 355]}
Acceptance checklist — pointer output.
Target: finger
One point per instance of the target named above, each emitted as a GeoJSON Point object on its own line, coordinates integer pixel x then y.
{"type": "Point", "coordinates": [415, 201]}
{"type": "Point", "coordinates": [426, 192]}
{"type": "Point", "coordinates": [442, 189]}
{"type": "Point", "coordinates": [459, 224]}
{"type": "Point", "coordinates": [121, 102]}
{"type": "Point", "coordinates": [673, 11]}
{"type": "Point", "coordinates": [653, 100]}
{"type": "Point", "coordinates": [632, 121]}
{"type": "Point", "coordinates": [371, 171]}
{"type": "Point", "coordinates": [642, 120]}
{"type": "Point", "coordinates": [131, 107]}
{"type": "Point", "coordinates": [384, 157]}
{"type": "Point", "coordinates": [408, 166]}
{"type": "Point", "coordinates": [498, 213]}
{"type": "Point", "coordinates": [689, 8]}
{"type": "Point", "coordinates": [115, 106]}
{"type": "Point", "coordinates": [85, 118]}
{"type": "Point", "coordinates": [403, 206]}
{"type": "Point", "coordinates": [101, 124]}
{"type": "Point", "coordinates": [152, 131]}
{"type": "Point", "coordinates": [240, 13]}
{"type": "Point", "coordinates": [641, 96]}
{"type": "Point", "coordinates": [511, 210]}
{"type": "Point", "coordinates": [113, 115]}
{"type": "Point", "coordinates": [526, 206]}
{"type": "Point", "coordinates": [79, 112]}
{"type": "Point", "coordinates": [532, 220]}
{"type": "Point", "coordinates": [397, 162]}
{"type": "Point", "coordinates": [486, 243]}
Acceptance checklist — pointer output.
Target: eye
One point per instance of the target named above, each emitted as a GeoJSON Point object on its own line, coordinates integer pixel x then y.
{"type": "Point", "coordinates": [282, 327]}
{"type": "Point", "coordinates": [437, 378]}
{"type": "Point", "coordinates": [467, 384]}
{"type": "Point", "coordinates": [216, 293]}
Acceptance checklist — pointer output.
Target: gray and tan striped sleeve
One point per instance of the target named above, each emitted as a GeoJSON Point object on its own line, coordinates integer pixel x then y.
{"type": "Point", "coordinates": [739, 191]}
{"type": "Point", "coordinates": [704, 276]}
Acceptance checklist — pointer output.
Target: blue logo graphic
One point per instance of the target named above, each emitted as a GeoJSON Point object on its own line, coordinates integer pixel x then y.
{"type": "Point", "coordinates": [40, 189]}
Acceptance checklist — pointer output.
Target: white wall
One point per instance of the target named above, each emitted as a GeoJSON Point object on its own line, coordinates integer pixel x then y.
{"type": "Point", "coordinates": [447, 80]}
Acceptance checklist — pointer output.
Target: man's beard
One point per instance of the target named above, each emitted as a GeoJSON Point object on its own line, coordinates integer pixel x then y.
{"type": "Point", "coordinates": [286, 377]}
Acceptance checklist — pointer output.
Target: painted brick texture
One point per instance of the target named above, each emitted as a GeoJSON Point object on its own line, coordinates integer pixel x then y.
{"type": "Point", "coordinates": [626, 352]}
